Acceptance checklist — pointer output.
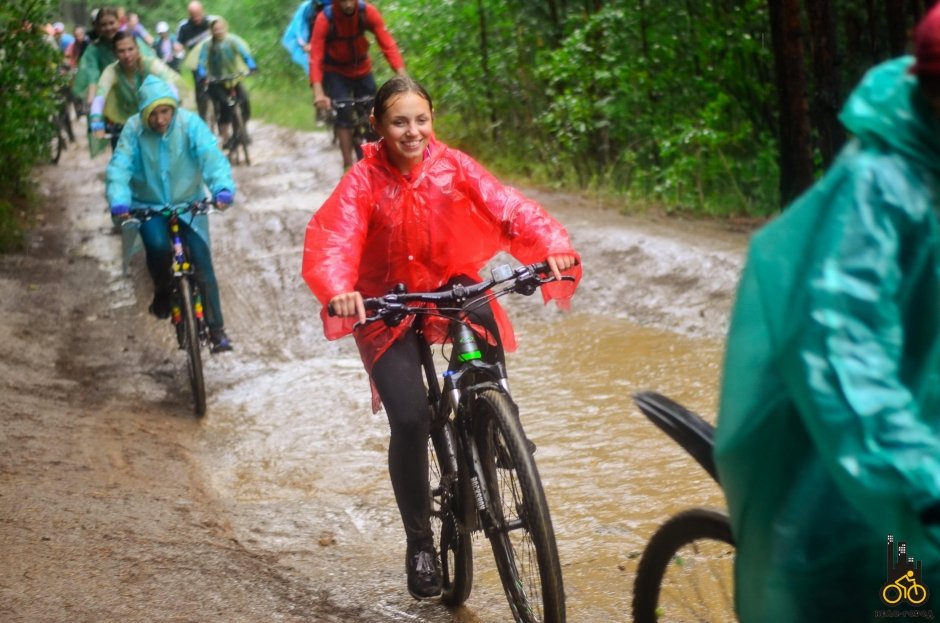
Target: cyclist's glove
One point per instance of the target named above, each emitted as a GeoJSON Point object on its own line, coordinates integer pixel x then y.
{"type": "Point", "coordinates": [224, 198]}
{"type": "Point", "coordinates": [96, 123]}
{"type": "Point", "coordinates": [119, 210]}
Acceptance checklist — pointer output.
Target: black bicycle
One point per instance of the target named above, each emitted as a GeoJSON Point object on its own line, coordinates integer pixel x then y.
{"type": "Point", "coordinates": [62, 127]}
{"type": "Point", "coordinates": [186, 307]}
{"type": "Point", "coordinates": [482, 473]}
{"type": "Point", "coordinates": [686, 572]}
{"type": "Point", "coordinates": [238, 142]}
{"type": "Point", "coordinates": [360, 109]}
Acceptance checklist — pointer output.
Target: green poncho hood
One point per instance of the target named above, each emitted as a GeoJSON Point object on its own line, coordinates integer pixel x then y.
{"type": "Point", "coordinates": [888, 108]}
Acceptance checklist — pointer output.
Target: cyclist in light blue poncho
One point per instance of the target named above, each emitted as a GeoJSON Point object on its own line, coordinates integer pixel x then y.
{"type": "Point", "coordinates": [168, 156]}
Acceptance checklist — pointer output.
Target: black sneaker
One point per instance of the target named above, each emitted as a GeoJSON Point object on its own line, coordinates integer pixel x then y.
{"type": "Point", "coordinates": [219, 342]}
{"type": "Point", "coordinates": [160, 307]}
{"type": "Point", "coordinates": [424, 572]}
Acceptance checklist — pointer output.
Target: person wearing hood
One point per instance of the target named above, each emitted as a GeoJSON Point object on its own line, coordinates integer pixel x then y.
{"type": "Point", "coordinates": [99, 54]}
{"type": "Point", "coordinates": [168, 156]}
{"type": "Point", "coordinates": [118, 87]}
{"type": "Point", "coordinates": [417, 212]}
{"type": "Point", "coordinates": [828, 435]}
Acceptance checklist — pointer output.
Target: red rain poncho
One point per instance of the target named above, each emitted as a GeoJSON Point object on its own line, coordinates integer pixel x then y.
{"type": "Point", "coordinates": [448, 218]}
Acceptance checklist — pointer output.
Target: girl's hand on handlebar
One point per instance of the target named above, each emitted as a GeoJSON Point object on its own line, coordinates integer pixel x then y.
{"type": "Point", "coordinates": [560, 262]}
{"type": "Point", "coordinates": [348, 304]}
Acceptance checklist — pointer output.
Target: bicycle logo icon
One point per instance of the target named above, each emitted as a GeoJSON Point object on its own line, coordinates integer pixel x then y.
{"type": "Point", "coordinates": [906, 572]}
{"type": "Point", "coordinates": [914, 594]}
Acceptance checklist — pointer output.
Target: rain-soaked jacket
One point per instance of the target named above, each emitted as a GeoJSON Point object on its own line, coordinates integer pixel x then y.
{"type": "Point", "coordinates": [447, 219]}
{"type": "Point", "coordinates": [297, 35]}
{"type": "Point", "coordinates": [156, 170]}
{"type": "Point", "coordinates": [828, 434]}
{"type": "Point", "coordinates": [116, 95]}
{"type": "Point", "coordinates": [96, 57]}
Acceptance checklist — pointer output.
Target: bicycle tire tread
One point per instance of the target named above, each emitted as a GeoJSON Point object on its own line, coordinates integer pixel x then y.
{"type": "Point", "coordinates": [536, 508]}
{"type": "Point", "coordinates": [683, 528]}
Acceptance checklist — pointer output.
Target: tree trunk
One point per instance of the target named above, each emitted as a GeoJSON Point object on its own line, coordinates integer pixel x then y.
{"type": "Point", "coordinates": [795, 156]}
{"type": "Point", "coordinates": [827, 95]}
{"type": "Point", "coordinates": [485, 69]}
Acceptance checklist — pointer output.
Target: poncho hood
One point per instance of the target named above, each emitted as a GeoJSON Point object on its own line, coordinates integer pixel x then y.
{"type": "Point", "coordinates": [155, 91]}
{"type": "Point", "coordinates": [887, 108]}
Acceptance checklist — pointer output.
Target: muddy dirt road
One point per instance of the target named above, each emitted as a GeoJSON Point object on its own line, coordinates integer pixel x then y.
{"type": "Point", "coordinates": [116, 504]}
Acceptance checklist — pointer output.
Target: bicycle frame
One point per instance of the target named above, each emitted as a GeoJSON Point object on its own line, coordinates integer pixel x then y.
{"type": "Point", "coordinates": [181, 267]}
{"type": "Point", "coordinates": [362, 131]}
{"type": "Point", "coordinates": [186, 308]}
{"type": "Point", "coordinates": [445, 402]}
{"type": "Point", "coordinates": [483, 476]}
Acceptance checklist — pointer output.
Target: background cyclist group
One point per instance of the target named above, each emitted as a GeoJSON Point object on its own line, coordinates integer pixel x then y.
{"type": "Point", "coordinates": [830, 409]}
{"type": "Point", "coordinates": [162, 154]}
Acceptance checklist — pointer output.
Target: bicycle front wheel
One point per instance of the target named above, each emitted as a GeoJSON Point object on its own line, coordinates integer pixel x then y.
{"type": "Point", "coordinates": [192, 347]}
{"type": "Point", "coordinates": [239, 136]}
{"type": "Point", "coordinates": [517, 521]}
{"type": "Point", "coordinates": [57, 145]}
{"type": "Point", "coordinates": [686, 572]}
{"type": "Point", "coordinates": [449, 500]}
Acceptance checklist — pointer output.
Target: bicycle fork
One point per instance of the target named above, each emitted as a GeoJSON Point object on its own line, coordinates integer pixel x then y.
{"type": "Point", "coordinates": [182, 269]}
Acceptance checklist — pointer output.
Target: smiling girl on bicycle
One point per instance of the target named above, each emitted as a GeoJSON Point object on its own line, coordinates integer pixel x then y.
{"type": "Point", "coordinates": [417, 212]}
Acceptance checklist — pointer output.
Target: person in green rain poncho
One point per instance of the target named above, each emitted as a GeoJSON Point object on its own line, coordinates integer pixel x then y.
{"type": "Point", "coordinates": [99, 55]}
{"type": "Point", "coordinates": [116, 96]}
{"type": "Point", "coordinates": [828, 436]}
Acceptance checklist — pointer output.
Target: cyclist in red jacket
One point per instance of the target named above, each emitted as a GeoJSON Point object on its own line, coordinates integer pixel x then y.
{"type": "Point", "coordinates": [418, 212]}
{"type": "Point", "coordinates": [340, 66]}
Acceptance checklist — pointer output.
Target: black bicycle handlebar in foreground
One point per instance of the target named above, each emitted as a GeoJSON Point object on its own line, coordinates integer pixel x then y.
{"type": "Point", "coordinates": [393, 306]}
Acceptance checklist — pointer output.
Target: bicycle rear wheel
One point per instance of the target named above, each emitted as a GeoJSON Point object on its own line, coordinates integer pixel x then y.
{"type": "Point", "coordinates": [686, 572]}
{"type": "Point", "coordinates": [193, 347]}
{"type": "Point", "coordinates": [449, 500]}
{"type": "Point", "coordinates": [518, 524]}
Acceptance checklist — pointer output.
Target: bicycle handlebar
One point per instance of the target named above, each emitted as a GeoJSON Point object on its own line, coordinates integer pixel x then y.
{"type": "Point", "coordinates": [228, 78]}
{"type": "Point", "coordinates": [339, 104]}
{"type": "Point", "coordinates": [524, 280]}
{"type": "Point", "coordinates": [203, 206]}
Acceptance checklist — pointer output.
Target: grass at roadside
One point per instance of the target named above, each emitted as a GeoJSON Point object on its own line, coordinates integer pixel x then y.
{"type": "Point", "coordinates": [283, 103]}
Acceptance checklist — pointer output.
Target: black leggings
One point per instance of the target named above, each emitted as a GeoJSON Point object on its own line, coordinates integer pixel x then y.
{"type": "Point", "coordinates": [399, 379]}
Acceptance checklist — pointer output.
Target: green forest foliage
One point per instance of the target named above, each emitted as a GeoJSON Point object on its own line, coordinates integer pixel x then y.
{"type": "Point", "coordinates": [668, 105]}
{"type": "Point", "coordinates": [662, 103]}
{"type": "Point", "coordinates": [28, 81]}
